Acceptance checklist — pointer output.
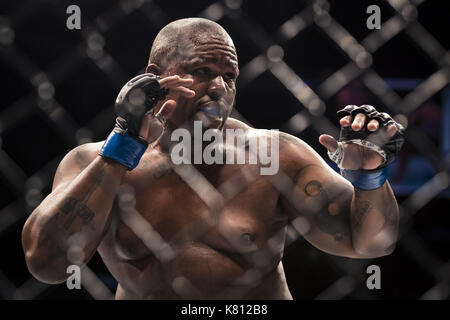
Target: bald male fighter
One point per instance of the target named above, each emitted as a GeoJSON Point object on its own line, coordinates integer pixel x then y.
{"type": "Point", "coordinates": [163, 234]}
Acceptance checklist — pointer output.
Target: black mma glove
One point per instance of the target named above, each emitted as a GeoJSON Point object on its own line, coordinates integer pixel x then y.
{"type": "Point", "coordinates": [137, 97]}
{"type": "Point", "coordinates": [379, 141]}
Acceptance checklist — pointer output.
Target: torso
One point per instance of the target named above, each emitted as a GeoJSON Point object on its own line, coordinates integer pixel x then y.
{"type": "Point", "coordinates": [173, 246]}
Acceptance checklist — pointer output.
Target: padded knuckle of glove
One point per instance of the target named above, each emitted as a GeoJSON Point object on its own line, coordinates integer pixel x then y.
{"type": "Point", "coordinates": [346, 111]}
{"type": "Point", "coordinates": [367, 110]}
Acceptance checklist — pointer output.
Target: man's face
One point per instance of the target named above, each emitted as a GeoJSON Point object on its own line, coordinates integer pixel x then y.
{"type": "Point", "coordinates": [212, 63]}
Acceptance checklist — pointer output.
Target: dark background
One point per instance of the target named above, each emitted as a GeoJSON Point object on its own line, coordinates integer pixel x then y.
{"type": "Point", "coordinates": [58, 87]}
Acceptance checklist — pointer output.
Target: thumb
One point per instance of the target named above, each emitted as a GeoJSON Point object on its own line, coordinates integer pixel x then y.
{"type": "Point", "coordinates": [328, 142]}
{"type": "Point", "coordinates": [167, 108]}
{"type": "Point", "coordinates": [153, 125]}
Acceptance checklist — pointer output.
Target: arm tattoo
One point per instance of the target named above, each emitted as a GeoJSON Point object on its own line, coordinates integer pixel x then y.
{"type": "Point", "coordinates": [52, 231]}
{"type": "Point", "coordinates": [361, 210]}
{"type": "Point", "coordinates": [98, 179]}
{"type": "Point", "coordinates": [72, 208]}
{"type": "Point", "coordinates": [328, 203]}
{"type": "Point", "coordinates": [390, 216]}
{"type": "Point", "coordinates": [313, 188]}
{"type": "Point", "coordinates": [58, 226]}
{"type": "Point", "coordinates": [331, 207]}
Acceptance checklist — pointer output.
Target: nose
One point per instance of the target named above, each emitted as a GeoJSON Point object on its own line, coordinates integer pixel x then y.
{"type": "Point", "coordinates": [216, 89]}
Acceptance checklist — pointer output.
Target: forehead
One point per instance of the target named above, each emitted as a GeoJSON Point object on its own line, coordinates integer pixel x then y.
{"type": "Point", "coordinates": [218, 49]}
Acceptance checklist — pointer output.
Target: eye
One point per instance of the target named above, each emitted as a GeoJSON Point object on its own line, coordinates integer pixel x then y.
{"type": "Point", "coordinates": [202, 72]}
{"type": "Point", "coordinates": [229, 77]}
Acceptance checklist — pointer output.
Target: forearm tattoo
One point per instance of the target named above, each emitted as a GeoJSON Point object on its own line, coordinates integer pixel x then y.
{"type": "Point", "coordinates": [362, 207]}
{"type": "Point", "coordinates": [72, 208]}
{"type": "Point", "coordinates": [61, 225]}
{"type": "Point", "coordinates": [391, 215]}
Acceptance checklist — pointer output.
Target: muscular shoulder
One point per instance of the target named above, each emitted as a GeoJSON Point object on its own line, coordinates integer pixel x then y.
{"type": "Point", "coordinates": [84, 154]}
{"type": "Point", "coordinates": [233, 123]}
{"type": "Point", "coordinates": [295, 147]}
{"type": "Point", "coordinates": [296, 154]}
{"type": "Point", "coordinates": [293, 152]}
{"type": "Point", "coordinates": [75, 161]}
{"type": "Point", "coordinates": [287, 142]}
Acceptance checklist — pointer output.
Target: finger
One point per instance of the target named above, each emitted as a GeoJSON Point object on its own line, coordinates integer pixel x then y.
{"type": "Point", "coordinates": [167, 108]}
{"type": "Point", "coordinates": [373, 125]}
{"type": "Point", "coordinates": [175, 81]}
{"type": "Point", "coordinates": [391, 130]}
{"type": "Point", "coordinates": [328, 142]}
{"type": "Point", "coordinates": [186, 81]}
{"type": "Point", "coordinates": [155, 124]}
{"type": "Point", "coordinates": [358, 122]}
{"type": "Point", "coordinates": [184, 91]}
{"type": "Point", "coordinates": [345, 121]}
{"type": "Point", "coordinates": [166, 80]}
{"type": "Point", "coordinates": [180, 82]}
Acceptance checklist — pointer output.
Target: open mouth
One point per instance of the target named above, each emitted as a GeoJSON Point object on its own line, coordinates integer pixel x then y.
{"type": "Point", "coordinates": [210, 114]}
{"type": "Point", "coordinates": [211, 110]}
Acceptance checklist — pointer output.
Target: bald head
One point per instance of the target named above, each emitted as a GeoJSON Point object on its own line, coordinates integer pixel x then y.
{"type": "Point", "coordinates": [178, 36]}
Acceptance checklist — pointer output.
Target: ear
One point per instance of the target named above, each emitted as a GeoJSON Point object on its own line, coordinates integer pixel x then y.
{"type": "Point", "coordinates": [153, 68]}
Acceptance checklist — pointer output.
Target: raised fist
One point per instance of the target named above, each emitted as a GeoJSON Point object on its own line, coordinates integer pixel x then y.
{"type": "Point", "coordinates": [369, 140]}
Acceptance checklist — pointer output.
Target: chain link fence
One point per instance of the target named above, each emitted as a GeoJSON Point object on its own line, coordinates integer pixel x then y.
{"type": "Point", "coordinates": [300, 61]}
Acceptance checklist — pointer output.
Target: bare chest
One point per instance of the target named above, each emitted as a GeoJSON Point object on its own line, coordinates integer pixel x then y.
{"type": "Point", "coordinates": [163, 209]}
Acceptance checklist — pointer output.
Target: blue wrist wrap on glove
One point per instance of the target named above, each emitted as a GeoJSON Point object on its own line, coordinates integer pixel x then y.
{"type": "Point", "coordinates": [123, 149]}
{"type": "Point", "coordinates": [365, 181]}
